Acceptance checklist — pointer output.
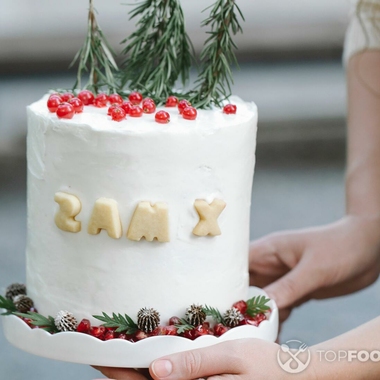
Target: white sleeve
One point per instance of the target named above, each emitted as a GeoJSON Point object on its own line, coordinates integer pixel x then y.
{"type": "Point", "coordinates": [364, 29]}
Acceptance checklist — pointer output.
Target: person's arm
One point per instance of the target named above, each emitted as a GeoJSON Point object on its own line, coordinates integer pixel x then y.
{"type": "Point", "coordinates": [342, 257]}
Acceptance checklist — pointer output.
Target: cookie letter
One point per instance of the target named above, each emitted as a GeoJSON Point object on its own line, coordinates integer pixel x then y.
{"type": "Point", "coordinates": [150, 222]}
{"type": "Point", "coordinates": [69, 207]}
{"type": "Point", "coordinates": [105, 216]}
{"type": "Point", "coordinates": [208, 215]}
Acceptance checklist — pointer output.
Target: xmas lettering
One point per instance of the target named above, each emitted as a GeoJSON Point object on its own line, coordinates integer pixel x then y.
{"type": "Point", "coordinates": [148, 221]}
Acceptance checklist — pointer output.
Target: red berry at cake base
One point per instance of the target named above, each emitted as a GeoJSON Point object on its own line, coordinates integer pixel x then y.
{"type": "Point", "coordinates": [229, 109]}
{"type": "Point", "coordinates": [189, 113]}
{"type": "Point", "coordinates": [115, 98]}
{"type": "Point", "coordinates": [53, 102]}
{"type": "Point", "coordinates": [170, 330]}
{"type": "Point", "coordinates": [126, 106]}
{"type": "Point", "coordinates": [77, 104]}
{"type": "Point", "coordinates": [65, 111]}
{"type": "Point", "coordinates": [118, 114]}
{"type": "Point", "coordinates": [220, 329]}
{"type": "Point", "coordinates": [135, 111]}
{"type": "Point", "coordinates": [111, 108]}
{"type": "Point", "coordinates": [148, 105]}
{"type": "Point", "coordinates": [162, 117]}
{"type": "Point", "coordinates": [87, 97]}
{"type": "Point", "coordinates": [98, 332]}
{"type": "Point", "coordinates": [101, 100]}
{"type": "Point", "coordinates": [182, 105]}
{"type": "Point", "coordinates": [172, 101]}
{"type": "Point", "coordinates": [66, 96]}
{"type": "Point", "coordinates": [241, 306]}
{"type": "Point", "coordinates": [135, 98]}
{"type": "Point", "coordinates": [84, 326]}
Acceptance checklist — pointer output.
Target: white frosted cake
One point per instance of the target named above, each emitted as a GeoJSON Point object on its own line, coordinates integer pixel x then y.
{"type": "Point", "coordinates": [132, 214]}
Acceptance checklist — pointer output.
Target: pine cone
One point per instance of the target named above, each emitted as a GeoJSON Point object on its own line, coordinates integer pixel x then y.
{"type": "Point", "coordinates": [195, 315]}
{"type": "Point", "coordinates": [23, 303]}
{"type": "Point", "coordinates": [148, 319]}
{"type": "Point", "coordinates": [65, 321]}
{"type": "Point", "coordinates": [233, 317]}
{"type": "Point", "coordinates": [14, 290]}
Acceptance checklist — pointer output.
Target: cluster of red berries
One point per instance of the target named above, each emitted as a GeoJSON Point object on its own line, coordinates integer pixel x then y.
{"type": "Point", "coordinates": [66, 105]}
{"type": "Point", "coordinates": [107, 333]}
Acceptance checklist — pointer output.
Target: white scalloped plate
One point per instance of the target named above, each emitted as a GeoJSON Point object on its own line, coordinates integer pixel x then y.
{"type": "Point", "coordinates": [85, 349]}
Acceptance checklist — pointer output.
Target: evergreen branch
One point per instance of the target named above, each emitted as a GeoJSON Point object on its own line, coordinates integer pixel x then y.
{"type": "Point", "coordinates": [257, 305]}
{"type": "Point", "coordinates": [159, 51]}
{"type": "Point", "coordinates": [118, 321]}
{"type": "Point", "coordinates": [95, 56]}
{"type": "Point", "coordinates": [183, 326]}
{"type": "Point", "coordinates": [39, 320]}
{"type": "Point", "coordinates": [8, 305]}
{"type": "Point", "coordinates": [215, 79]}
{"type": "Point", "coordinates": [214, 314]}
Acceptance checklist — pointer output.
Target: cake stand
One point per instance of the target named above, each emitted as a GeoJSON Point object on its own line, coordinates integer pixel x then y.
{"type": "Point", "coordinates": [85, 349]}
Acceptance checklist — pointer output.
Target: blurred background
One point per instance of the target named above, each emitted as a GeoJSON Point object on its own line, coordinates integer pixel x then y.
{"type": "Point", "coordinates": [290, 65]}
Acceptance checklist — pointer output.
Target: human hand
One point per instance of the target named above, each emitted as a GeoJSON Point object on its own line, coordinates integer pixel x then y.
{"type": "Point", "coordinates": [244, 359]}
{"type": "Point", "coordinates": [322, 262]}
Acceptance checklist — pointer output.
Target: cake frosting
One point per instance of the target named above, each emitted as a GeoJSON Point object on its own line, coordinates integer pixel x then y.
{"type": "Point", "coordinates": [129, 163]}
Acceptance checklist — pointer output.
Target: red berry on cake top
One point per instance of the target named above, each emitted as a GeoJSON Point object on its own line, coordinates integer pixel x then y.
{"type": "Point", "coordinates": [87, 97]}
{"type": "Point", "coordinates": [189, 113]}
{"type": "Point", "coordinates": [162, 117]}
{"type": "Point", "coordinates": [53, 102]}
{"type": "Point", "coordinates": [182, 105]}
{"type": "Point", "coordinates": [135, 111]}
{"type": "Point", "coordinates": [126, 106]}
{"type": "Point", "coordinates": [229, 109]}
{"type": "Point", "coordinates": [148, 105]}
{"type": "Point", "coordinates": [101, 100]}
{"type": "Point", "coordinates": [65, 111]}
{"type": "Point", "coordinates": [66, 96]}
{"type": "Point", "coordinates": [135, 97]}
{"type": "Point", "coordinates": [117, 114]}
{"type": "Point", "coordinates": [77, 104]}
{"type": "Point", "coordinates": [172, 101]}
{"type": "Point", "coordinates": [115, 98]}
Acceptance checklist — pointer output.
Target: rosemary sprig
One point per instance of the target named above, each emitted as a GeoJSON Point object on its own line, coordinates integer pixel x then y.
{"type": "Point", "coordinates": [183, 326]}
{"type": "Point", "coordinates": [95, 56]}
{"type": "Point", "coordinates": [257, 305]}
{"type": "Point", "coordinates": [8, 305]}
{"type": "Point", "coordinates": [118, 321]}
{"type": "Point", "coordinates": [40, 321]}
{"type": "Point", "coordinates": [159, 51]}
{"type": "Point", "coordinates": [215, 79]}
{"type": "Point", "coordinates": [215, 314]}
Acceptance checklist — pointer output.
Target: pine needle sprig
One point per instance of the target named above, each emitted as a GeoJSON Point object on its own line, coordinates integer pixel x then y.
{"type": "Point", "coordinates": [96, 57]}
{"type": "Point", "coordinates": [257, 305]}
{"type": "Point", "coordinates": [183, 326]}
{"type": "Point", "coordinates": [39, 320]}
{"type": "Point", "coordinates": [121, 323]}
{"type": "Point", "coordinates": [215, 79]}
{"type": "Point", "coordinates": [214, 314]}
{"type": "Point", "coordinates": [8, 305]}
{"type": "Point", "coordinates": [159, 51]}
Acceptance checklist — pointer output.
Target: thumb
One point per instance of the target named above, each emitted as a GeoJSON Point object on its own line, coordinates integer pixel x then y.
{"type": "Point", "coordinates": [295, 285]}
{"type": "Point", "coordinates": [214, 360]}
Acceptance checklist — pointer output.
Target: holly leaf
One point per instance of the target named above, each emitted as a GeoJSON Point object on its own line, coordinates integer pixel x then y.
{"type": "Point", "coordinates": [183, 326]}
{"type": "Point", "coordinates": [8, 305]}
{"type": "Point", "coordinates": [121, 323]}
{"type": "Point", "coordinates": [214, 314]}
{"type": "Point", "coordinates": [257, 305]}
{"type": "Point", "coordinates": [44, 323]}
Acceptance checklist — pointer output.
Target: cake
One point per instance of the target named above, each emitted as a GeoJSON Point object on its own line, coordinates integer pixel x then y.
{"type": "Point", "coordinates": [138, 215]}
{"type": "Point", "coordinates": [154, 180]}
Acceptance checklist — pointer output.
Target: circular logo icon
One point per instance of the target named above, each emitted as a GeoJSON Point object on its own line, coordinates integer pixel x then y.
{"type": "Point", "coordinates": [287, 356]}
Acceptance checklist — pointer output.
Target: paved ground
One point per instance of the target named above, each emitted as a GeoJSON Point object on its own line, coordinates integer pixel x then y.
{"type": "Point", "coordinates": [298, 183]}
